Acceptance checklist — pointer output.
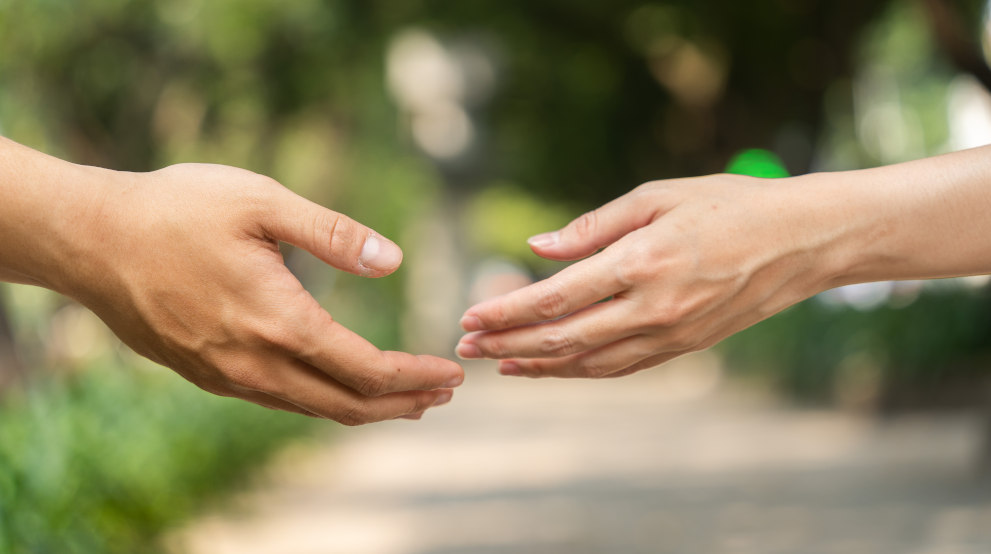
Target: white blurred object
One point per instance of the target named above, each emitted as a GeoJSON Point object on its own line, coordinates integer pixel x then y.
{"type": "Point", "coordinates": [496, 276]}
{"type": "Point", "coordinates": [421, 72]}
{"type": "Point", "coordinates": [887, 130]}
{"type": "Point", "coordinates": [434, 276]}
{"type": "Point", "coordinates": [968, 107]}
{"type": "Point", "coordinates": [445, 131]}
{"type": "Point", "coordinates": [435, 84]}
{"type": "Point", "coordinates": [861, 296]}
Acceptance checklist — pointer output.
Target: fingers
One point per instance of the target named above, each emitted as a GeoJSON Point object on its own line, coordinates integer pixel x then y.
{"type": "Point", "coordinates": [354, 362]}
{"type": "Point", "coordinates": [273, 403]}
{"type": "Point", "coordinates": [597, 228]}
{"type": "Point", "coordinates": [593, 364]}
{"type": "Point", "coordinates": [313, 391]}
{"type": "Point", "coordinates": [572, 289]}
{"type": "Point", "coordinates": [620, 358]}
{"type": "Point", "coordinates": [587, 329]}
{"type": "Point", "coordinates": [334, 238]}
{"type": "Point", "coordinates": [616, 360]}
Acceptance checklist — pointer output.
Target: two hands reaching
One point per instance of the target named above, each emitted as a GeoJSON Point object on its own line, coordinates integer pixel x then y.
{"type": "Point", "coordinates": [183, 265]}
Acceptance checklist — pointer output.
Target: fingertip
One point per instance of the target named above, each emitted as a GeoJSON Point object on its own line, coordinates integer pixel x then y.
{"type": "Point", "coordinates": [550, 246]}
{"type": "Point", "coordinates": [456, 373]}
{"type": "Point", "coordinates": [544, 240]}
{"type": "Point", "coordinates": [455, 381]}
{"type": "Point", "coordinates": [379, 256]}
{"type": "Point", "coordinates": [509, 367]}
{"type": "Point", "coordinates": [443, 397]}
{"type": "Point", "coordinates": [466, 350]}
{"type": "Point", "coordinates": [471, 323]}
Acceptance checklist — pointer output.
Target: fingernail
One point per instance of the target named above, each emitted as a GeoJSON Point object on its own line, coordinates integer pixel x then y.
{"type": "Point", "coordinates": [510, 368]}
{"type": "Point", "coordinates": [467, 351]}
{"type": "Point", "coordinates": [454, 382]}
{"type": "Point", "coordinates": [414, 417]}
{"type": "Point", "coordinates": [471, 323]}
{"type": "Point", "coordinates": [544, 240]}
{"type": "Point", "coordinates": [443, 398]}
{"type": "Point", "coordinates": [379, 254]}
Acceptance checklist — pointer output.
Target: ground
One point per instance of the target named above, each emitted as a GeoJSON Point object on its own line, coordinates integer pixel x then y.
{"type": "Point", "coordinates": [673, 460]}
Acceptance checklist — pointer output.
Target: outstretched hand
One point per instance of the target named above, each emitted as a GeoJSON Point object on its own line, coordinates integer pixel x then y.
{"type": "Point", "coordinates": [183, 265]}
{"type": "Point", "coordinates": [685, 264]}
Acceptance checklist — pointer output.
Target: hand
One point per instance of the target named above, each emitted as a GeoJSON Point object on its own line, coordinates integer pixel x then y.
{"type": "Point", "coordinates": [686, 263]}
{"type": "Point", "coordinates": [183, 265]}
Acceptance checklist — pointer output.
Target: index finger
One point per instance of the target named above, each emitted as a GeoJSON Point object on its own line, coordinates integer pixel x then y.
{"type": "Point", "coordinates": [575, 287]}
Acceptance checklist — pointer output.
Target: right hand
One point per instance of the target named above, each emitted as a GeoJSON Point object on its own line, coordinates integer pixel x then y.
{"type": "Point", "coordinates": [684, 263]}
{"type": "Point", "coordinates": [183, 265]}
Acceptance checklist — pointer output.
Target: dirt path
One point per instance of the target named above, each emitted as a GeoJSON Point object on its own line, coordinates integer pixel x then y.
{"type": "Point", "coordinates": [669, 461]}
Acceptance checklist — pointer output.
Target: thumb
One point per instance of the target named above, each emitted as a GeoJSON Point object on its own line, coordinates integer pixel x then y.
{"type": "Point", "coordinates": [593, 230]}
{"type": "Point", "coordinates": [333, 237]}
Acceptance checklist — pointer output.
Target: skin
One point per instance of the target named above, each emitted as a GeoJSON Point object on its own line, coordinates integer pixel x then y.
{"type": "Point", "coordinates": [183, 265]}
{"type": "Point", "coordinates": [685, 263]}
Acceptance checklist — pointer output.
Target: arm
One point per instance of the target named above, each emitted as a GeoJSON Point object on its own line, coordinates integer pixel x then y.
{"type": "Point", "coordinates": [183, 265]}
{"type": "Point", "coordinates": [686, 263]}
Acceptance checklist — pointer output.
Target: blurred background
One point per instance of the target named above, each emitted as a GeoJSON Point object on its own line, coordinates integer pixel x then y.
{"type": "Point", "coordinates": [459, 129]}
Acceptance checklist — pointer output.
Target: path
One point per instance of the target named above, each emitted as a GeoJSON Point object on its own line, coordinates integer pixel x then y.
{"type": "Point", "coordinates": [668, 461]}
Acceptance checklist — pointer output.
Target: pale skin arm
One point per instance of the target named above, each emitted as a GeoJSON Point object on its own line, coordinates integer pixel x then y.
{"type": "Point", "coordinates": [685, 263]}
{"type": "Point", "coordinates": [183, 265]}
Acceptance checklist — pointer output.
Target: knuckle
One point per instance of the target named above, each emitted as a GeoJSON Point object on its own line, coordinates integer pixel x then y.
{"type": "Point", "coordinates": [633, 271]}
{"type": "Point", "coordinates": [353, 414]}
{"type": "Point", "coordinates": [668, 316]}
{"type": "Point", "coordinates": [558, 343]}
{"type": "Point", "coordinates": [648, 186]}
{"type": "Point", "coordinates": [277, 337]}
{"type": "Point", "coordinates": [372, 383]}
{"type": "Point", "coordinates": [532, 370]}
{"type": "Point", "coordinates": [654, 188]}
{"type": "Point", "coordinates": [585, 225]}
{"type": "Point", "coordinates": [680, 341]}
{"type": "Point", "coordinates": [665, 318]}
{"type": "Point", "coordinates": [493, 347]}
{"type": "Point", "coordinates": [551, 303]}
{"type": "Point", "coordinates": [496, 318]}
{"type": "Point", "coordinates": [256, 379]}
{"type": "Point", "coordinates": [420, 403]}
{"type": "Point", "coordinates": [594, 370]}
{"type": "Point", "coordinates": [343, 233]}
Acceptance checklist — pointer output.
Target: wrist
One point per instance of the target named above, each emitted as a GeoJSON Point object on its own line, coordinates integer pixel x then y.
{"type": "Point", "coordinates": [50, 218]}
{"type": "Point", "coordinates": [838, 221]}
{"type": "Point", "coordinates": [85, 229]}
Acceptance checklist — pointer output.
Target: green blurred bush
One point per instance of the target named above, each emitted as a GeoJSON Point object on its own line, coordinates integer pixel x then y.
{"type": "Point", "coordinates": [106, 459]}
{"type": "Point", "coordinates": [933, 350]}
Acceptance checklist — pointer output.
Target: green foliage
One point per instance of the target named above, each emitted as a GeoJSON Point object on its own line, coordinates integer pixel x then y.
{"type": "Point", "coordinates": [942, 335]}
{"type": "Point", "coordinates": [502, 217]}
{"type": "Point", "coordinates": [103, 461]}
{"type": "Point", "coordinates": [756, 162]}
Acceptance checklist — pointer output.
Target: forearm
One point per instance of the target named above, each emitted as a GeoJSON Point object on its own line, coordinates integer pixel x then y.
{"type": "Point", "coordinates": [924, 219]}
{"type": "Point", "coordinates": [46, 208]}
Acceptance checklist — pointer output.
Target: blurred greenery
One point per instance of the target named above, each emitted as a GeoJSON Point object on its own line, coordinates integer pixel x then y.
{"type": "Point", "coordinates": [107, 459]}
{"type": "Point", "coordinates": [517, 117]}
{"type": "Point", "coordinates": [757, 162]}
{"type": "Point", "coordinates": [503, 218]}
{"type": "Point", "coordinates": [822, 350]}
